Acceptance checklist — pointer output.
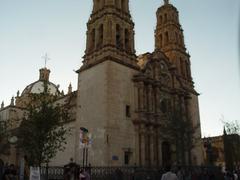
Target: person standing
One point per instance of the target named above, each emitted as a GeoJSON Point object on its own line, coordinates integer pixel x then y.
{"type": "Point", "coordinates": [235, 176]}
{"type": "Point", "coordinates": [169, 175]}
{"type": "Point", "coordinates": [82, 175]}
{"type": "Point", "coordinates": [86, 174]}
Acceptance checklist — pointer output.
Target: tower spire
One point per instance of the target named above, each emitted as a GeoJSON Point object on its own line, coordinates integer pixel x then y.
{"type": "Point", "coordinates": [169, 39]}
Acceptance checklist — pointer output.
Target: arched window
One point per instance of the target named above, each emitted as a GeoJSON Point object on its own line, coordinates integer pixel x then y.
{"type": "Point", "coordinates": [166, 37]}
{"type": "Point", "coordinates": [180, 39]}
{"type": "Point", "coordinates": [93, 40]}
{"type": "Point", "coordinates": [118, 36]}
{"type": "Point", "coordinates": [182, 67]}
{"type": "Point", "coordinates": [161, 20]}
{"type": "Point", "coordinates": [117, 3]}
{"type": "Point", "coordinates": [127, 45]}
{"type": "Point", "coordinates": [161, 40]}
{"type": "Point", "coordinates": [165, 17]}
{"type": "Point", "coordinates": [164, 105]}
{"type": "Point", "coordinates": [123, 5]}
{"type": "Point", "coordinates": [100, 32]}
{"type": "Point", "coordinates": [176, 36]}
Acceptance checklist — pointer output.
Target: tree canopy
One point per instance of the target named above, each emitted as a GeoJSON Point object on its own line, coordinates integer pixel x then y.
{"type": "Point", "coordinates": [182, 133]}
{"type": "Point", "coordinates": [42, 132]}
{"type": "Point", "coordinates": [231, 141]}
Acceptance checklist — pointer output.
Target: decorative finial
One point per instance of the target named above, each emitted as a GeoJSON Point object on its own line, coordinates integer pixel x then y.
{"type": "Point", "coordinates": [70, 88]}
{"type": "Point", "coordinates": [2, 105]}
{"type": "Point", "coordinates": [12, 101]}
{"type": "Point", "coordinates": [46, 58]}
{"type": "Point", "coordinates": [18, 93]}
{"type": "Point", "coordinates": [166, 1]}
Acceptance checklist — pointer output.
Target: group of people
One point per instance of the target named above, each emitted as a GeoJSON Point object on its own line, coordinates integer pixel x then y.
{"type": "Point", "coordinates": [9, 173]}
{"type": "Point", "coordinates": [72, 172]}
{"type": "Point", "coordinates": [199, 174]}
{"type": "Point", "coordinates": [77, 174]}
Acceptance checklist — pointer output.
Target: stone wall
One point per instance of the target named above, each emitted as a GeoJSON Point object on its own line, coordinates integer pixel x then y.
{"type": "Point", "coordinates": [104, 92]}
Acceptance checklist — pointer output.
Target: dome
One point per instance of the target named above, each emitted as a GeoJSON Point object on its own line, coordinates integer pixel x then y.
{"type": "Point", "coordinates": [38, 86]}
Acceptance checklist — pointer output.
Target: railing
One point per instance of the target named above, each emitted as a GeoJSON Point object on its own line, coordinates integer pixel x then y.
{"type": "Point", "coordinates": [53, 173]}
{"type": "Point", "coordinates": [118, 173]}
{"type": "Point", "coordinates": [104, 173]}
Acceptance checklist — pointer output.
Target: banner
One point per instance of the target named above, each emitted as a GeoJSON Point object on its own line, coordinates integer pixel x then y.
{"type": "Point", "coordinates": [85, 138]}
{"type": "Point", "coordinates": [34, 173]}
{"type": "Point", "coordinates": [21, 171]}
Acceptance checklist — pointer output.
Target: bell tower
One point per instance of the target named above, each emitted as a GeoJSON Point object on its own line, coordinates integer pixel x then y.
{"type": "Point", "coordinates": [105, 86]}
{"type": "Point", "coordinates": [110, 34]}
{"type": "Point", "coordinates": [169, 39]}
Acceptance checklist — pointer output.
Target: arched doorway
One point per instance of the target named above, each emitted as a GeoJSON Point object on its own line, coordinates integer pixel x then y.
{"type": "Point", "coordinates": [166, 153]}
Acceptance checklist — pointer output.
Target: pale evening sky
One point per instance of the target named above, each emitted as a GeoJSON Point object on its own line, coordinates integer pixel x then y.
{"type": "Point", "coordinates": [30, 28]}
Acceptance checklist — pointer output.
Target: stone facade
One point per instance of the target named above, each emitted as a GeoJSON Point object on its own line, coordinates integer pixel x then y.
{"type": "Point", "coordinates": [124, 101]}
{"type": "Point", "coordinates": [140, 84]}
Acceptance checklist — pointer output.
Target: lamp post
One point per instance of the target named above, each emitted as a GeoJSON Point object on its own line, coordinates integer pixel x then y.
{"type": "Point", "coordinates": [13, 141]}
{"type": "Point", "coordinates": [84, 141]}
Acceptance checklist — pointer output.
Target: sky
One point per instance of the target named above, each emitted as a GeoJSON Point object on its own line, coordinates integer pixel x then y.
{"type": "Point", "coordinates": [31, 28]}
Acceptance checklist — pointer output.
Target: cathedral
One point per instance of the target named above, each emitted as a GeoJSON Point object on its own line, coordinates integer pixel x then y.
{"type": "Point", "coordinates": [122, 99]}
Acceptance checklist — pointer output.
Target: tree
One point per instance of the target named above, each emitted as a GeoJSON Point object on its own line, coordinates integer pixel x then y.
{"type": "Point", "coordinates": [182, 133]}
{"type": "Point", "coordinates": [42, 132]}
{"type": "Point", "coordinates": [4, 145]}
{"type": "Point", "coordinates": [231, 141]}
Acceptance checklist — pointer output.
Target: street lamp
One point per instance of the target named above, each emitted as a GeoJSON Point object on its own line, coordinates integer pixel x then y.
{"type": "Point", "coordinates": [12, 139]}
{"type": "Point", "coordinates": [84, 141]}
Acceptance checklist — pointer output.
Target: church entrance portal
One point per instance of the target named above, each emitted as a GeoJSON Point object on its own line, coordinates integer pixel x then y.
{"type": "Point", "coordinates": [166, 153]}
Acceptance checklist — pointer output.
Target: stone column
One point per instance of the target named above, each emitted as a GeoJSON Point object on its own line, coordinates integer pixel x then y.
{"type": "Point", "coordinates": [88, 45]}
{"type": "Point", "coordinates": [123, 37]}
{"type": "Point", "coordinates": [145, 97]}
{"type": "Point", "coordinates": [151, 148]}
{"type": "Point", "coordinates": [136, 99]}
{"type": "Point", "coordinates": [141, 95]}
{"type": "Point", "coordinates": [137, 145]}
{"type": "Point", "coordinates": [150, 100]}
{"type": "Point", "coordinates": [159, 147]}
{"type": "Point", "coordinates": [107, 32]}
{"type": "Point", "coordinates": [96, 38]}
{"type": "Point", "coordinates": [131, 41]}
{"type": "Point", "coordinates": [122, 43]}
{"type": "Point", "coordinates": [142, 145]}
{"type": "Point", "coordinates": [188, 108]}
{"type": "Point", "coordinates": [183, 106]}
{"type": "Point", "coordinates": [157, 103]}
{"type": "Point", "coordinates": [114, 32]}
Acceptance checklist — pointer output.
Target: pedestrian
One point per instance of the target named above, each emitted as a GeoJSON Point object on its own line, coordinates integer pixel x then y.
{"type": "Point", "coordinates": [81, 175]}
{"type": "Point", "coordinates": [10, 173]}
{"type": "Point", "coordinates": [235, 175]}
{"type": "Point", "coordinates": [169, 175]}
{"type": "Point", "coordinates": [180, 174]}
{"type": "Point", "coordinates": [118, 174]}
{"type": "Point", "coordinates": [86, 174]}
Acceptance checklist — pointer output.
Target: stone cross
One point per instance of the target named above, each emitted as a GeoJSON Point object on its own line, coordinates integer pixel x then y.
{"type": "Point", "coordinates": [46, 58]}
{"type": "Point", "coordinates": [166, 1]}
